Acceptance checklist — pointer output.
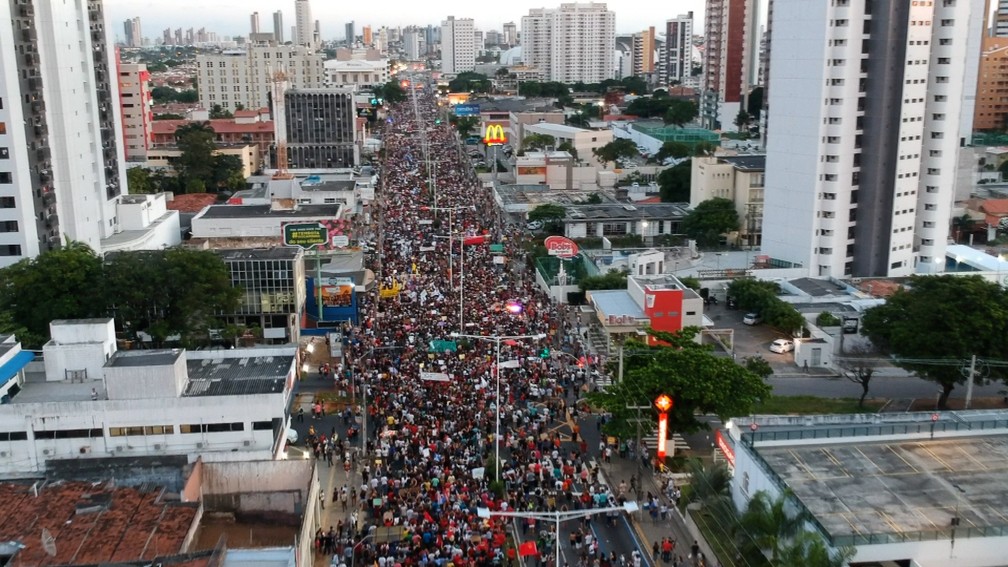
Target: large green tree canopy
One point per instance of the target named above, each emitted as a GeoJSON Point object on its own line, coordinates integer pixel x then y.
{"type": "Point", "coordinates": [937, 323]}
{"type": "Point", "coordinates": [710, 219]}
{"type": "Point", "coordinates": [697, 380]}
{"type": "Point", "coordinates": [164, 292]}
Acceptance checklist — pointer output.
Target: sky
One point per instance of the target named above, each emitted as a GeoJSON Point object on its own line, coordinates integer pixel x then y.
{"type": "Point", "coordinates": [231, 17]}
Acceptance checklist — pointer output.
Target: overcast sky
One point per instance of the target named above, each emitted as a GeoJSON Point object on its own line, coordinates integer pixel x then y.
{"type": "Point", "coordinates": [231, 17]}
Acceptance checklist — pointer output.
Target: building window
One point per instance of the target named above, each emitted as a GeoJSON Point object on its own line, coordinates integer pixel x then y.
{"type": "Point", "coordinates": [10, 250]}
{"type": "Point", "coordinates": [7, 203]}
{"type": "Point", "coordinates": [8, 226]}
{"type": "Point", "coordinates": [6, 178]}
{"type": "Point", "coordinates": [4, 153]}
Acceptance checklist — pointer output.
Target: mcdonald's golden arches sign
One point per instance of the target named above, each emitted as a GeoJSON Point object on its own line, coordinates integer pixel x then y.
{"type": "Point", "coordinates": [494, 135]}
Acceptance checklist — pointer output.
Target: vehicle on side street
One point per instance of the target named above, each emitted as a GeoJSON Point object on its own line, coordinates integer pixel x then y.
{"type": "Point", "coordinates": [752, 319]}
{"type": "Point", "coordinates": [781, 346]}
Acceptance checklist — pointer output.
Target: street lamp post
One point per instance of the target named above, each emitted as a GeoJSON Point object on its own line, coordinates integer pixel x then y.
{"type": "Point", "coordinates": [497, 339]}
{"type": "Point", "coordinates": [558, 517]}
{"type": "Point", "coordinates": [353, 550]}
{"type": "Point", "coordinates": [451, 263]}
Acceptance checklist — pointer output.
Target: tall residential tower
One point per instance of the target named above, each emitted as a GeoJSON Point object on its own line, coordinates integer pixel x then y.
{"type": "Point", "coordinates": [305, 24]}
{"type": "Point", "coordinates": [458, 45]}
{"type": "Point", "coordinates": [570, 44]}
{"type": "Point", "coordinates": [864, 127]}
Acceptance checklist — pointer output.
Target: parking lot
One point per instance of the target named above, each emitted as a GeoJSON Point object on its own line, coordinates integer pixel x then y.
{"type": "Point", "coordinates": [750, 339]}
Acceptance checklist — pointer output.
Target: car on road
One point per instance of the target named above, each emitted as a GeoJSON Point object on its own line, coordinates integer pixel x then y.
{"type": "Point", "coordinates": [780, 346]}
{"type": "Point", "coordinates": [752, 319]}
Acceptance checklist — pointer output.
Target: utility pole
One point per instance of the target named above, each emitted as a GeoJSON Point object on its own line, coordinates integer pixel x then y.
{"type": "Point", "coordinates": [640, 462]}
{"type": "Point", "coordinates": [970, 380]}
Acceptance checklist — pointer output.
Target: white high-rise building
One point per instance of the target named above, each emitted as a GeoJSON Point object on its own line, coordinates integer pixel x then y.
{"type": "Point", "coordinates": [254, 22]}
{"type": "Point", "coordinates": [570, 44]}
{"type": "Point", "coordinates": [864, 111]}
{"type": "Point", "coordinates": [305, 24]}
{"type": "Point", "coordinates": [245, 76]}
{"type": "Point", "coordinates": [411, 45]}
{"type": "Point", "coordinates": [676, 61]}
{"type": "Point", "coordinates": [278, 29]}
{"type": "Point", "coordinates": [458, 45]}
{"type": "Point", "coordinates": [61, 157]}
{"type": "Point", "coordinates": [133, 37]}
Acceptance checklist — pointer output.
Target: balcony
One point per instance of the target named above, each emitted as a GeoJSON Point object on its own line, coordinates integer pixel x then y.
{"type": "Point", "coordinates": [52, 220]}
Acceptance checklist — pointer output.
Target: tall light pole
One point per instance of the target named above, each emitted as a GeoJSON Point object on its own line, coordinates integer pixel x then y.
{"type": "Point", "coordinates": [498, 339]}
{"type": "Point", "coordinates": [451, 263]}
{"type": "Point", "coordinates": [560, 516]}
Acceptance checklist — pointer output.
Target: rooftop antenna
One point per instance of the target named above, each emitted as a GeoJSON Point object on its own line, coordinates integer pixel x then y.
{"type": "Point", "coordinates": [48, 543]}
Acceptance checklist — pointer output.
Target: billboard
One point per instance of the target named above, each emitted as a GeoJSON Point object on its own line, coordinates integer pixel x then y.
{"type": "Point", "coordinates": [337, 292]}
{"type": "Point", "coordinates": [467, 110]}
{"type": "Point", "coordinates": [561, 247]}
{"type": "Point", "coordinates": [494, 135]}
{"type": "Point", "coordinates": [300, 231]}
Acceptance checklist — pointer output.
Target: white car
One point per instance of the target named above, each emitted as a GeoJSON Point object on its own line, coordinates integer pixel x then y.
{"type": "Point", "coordinates": [752, 319]}
{"type": "Point", "coordinates": [534, 225]}
{"type": "Point", "coordinates": [780, 346]}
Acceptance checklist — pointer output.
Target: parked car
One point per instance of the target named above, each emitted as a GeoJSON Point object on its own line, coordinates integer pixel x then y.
{"type": "Point", "coordinates": [780, 346]}
{"type": "Point", "coordinates": [534, 225]}
{"type": "Point", "coordinates": [752, 319]}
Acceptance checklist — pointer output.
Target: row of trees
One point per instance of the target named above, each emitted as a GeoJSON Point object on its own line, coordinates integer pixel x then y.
{"type": "Point", "coordinates": [165, 292]}
{"type": "Point", "coordinates": [165, 95]}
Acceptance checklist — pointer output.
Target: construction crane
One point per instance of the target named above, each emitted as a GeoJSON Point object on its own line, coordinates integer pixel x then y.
{"type": "Point", "coordinates": [279, 80]}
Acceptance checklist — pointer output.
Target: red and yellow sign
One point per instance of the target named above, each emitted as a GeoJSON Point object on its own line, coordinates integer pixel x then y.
{"type": "Point", "coordinates": [664, 404]}
{"type": "Point", "coordinates": [494, 135]}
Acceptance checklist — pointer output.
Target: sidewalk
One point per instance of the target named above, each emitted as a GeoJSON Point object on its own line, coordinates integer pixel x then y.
{"type": "Point", "coordinates": [648, 530]}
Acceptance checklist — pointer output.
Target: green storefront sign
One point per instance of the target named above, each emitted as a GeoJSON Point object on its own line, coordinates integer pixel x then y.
{"type": "Point", "coordinates": [305, 235]}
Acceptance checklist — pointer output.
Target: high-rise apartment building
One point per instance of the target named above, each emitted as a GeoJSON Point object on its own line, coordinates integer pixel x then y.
{"type": "Point", "coordinates": [510, 34]}
{"type": "Point", "coordinates": [254, 22]}
{"type": "Point", "coordinates": [368, 37]}
{"type": "Point", "coordinates": [278, 28]}
{"type": "Point", "coordinates": [246, 76]}
{"type": "Point", "coordinates": [676, 65]}
{"type": "Point", "coordinates": [135, 104]}
{"type": "Point", "coordinates": [731, 53]}
{"type": "Point", "coordinates": [458, 45]}
{"type": "Point", "coordinates": [61, 160]}
{"type": "Point", "coordinates": [411, 45]}
{"type": "Point", "coordinates": [305, 23]}
{"type": "Point", "coordinates": [320, 128]}
{"type": "Point", "coordinates": [999, 27]}
{"type": "Point", "coordinates": [348, 31]}
{"type": "Point", "coordinates": [570, 44]}
{"type": "Point", "coordinates": [991, 109]}
{"type": "Point", "coordinates": [864, 107]}
{"type": "Point", "coordinates": [132, 37]}
{"type": "Point", "coordinates": [644, 53]}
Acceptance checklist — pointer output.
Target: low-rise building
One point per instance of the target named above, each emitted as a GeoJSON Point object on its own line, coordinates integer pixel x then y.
{"type": "Point", "coordinates": [257, 129]}
{"type": "Point", "coordinates": [919, 488]}
{"type": "Point", "coordinates": [647, 220]}
{"type": "Point", "coordinates": [93, 401]}
{"type": "Point", "coordinates": [273, 284]}
{"type": "Point", "coordinates": [261, 221]}
{"type": "Point", "coordinates": [652, 299]}
{"type": "Point", "coordinates": [162, 158]}
{"type": "Point", "coordinates": [356, 74]}
{"type": "Point", "coordinates": [145, 223]}
{"type": "Point", "coordinates": [584, 141]}
{"type": "Point", "coordinates": [557, 169]}
{"type": "Point", "coordinates": [738, 179]}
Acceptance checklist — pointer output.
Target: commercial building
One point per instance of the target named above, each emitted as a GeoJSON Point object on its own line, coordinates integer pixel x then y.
{"type": "Point", "coordinates": [135, 103]}
{"type": "Point", "coordinates": [619, 219]}
{"type": "Point", "coordinates": [246, 76]}
{"type": "Point", "coordinates": [320, 128]}
{"type": "Point", "coordinates": [257, 221]}
{"type": "Point", "coordinates": [62, 166]}
{"type": "Point", "coordinates": [584, 141]}
{"type": "Point", "coordinates": [146, 402]}
{"type": "Point", "coordinates": [273, 284]}
{"type": "Point", "coordinates": [571, 44]}
{"type": "Point", "coordinates": [676, 63]}
{"type": "Point", "coordinates": [357, 73]}
{"type": "Point", "coordinates": [651, 299]}
{"type": "Point", "coordinates": [458, 45]}
{"type": "Point", "coordinates": [860, 178]}
{"type": "Point", "coordinates": [901, 488]}
{"type": "Point", "coordinates": [731, 59]}
{"type": "Point", "coordinates": [740, 179]}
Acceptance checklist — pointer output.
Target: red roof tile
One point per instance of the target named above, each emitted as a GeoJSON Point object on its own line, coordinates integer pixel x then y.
{"type": "Point", "coordinates": [997, 207]}
{"type": "Point", "coordinates": [91, 523]}
{"type": "Point", "coordinates": [192, 202]}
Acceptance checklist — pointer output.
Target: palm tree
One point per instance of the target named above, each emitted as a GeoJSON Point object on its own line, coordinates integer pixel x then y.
{"type": "Point", "coordinates": [809, 549]}
{"type": "Point", "coordinates": [766, 524]}
{"type": "Point", "coordinates": [711, 488]}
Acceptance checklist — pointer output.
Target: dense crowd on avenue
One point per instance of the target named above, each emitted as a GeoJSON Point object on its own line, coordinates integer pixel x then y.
{"type": "Point", "coordinates": [432, 395]}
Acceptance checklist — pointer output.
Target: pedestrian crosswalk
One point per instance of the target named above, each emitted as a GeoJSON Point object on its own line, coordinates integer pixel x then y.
{"type": "Point", "coordinates": [677, 440]}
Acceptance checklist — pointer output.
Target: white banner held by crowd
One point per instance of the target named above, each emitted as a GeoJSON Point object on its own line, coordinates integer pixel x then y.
{"type": "Point", "coordinates": [435, 377]}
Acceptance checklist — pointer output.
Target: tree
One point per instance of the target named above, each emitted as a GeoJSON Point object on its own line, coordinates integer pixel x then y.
{"type": "Point", "coordinates": [808, 549]}
{"type": "Point", "coordinates": [859, 364]}
{"type": "Point", "coordinates": [567, 146]}
{"type": "Point", "coordinates": [766, 524]}
{"type": "Point", "coordinates": [761, 297]}
{"type": "Point", "coordinates": [711, 487]}
{"type": "Point", "coordinates": [963, 225]}
{"type": "Point", "coordinates": [742, 120]}
{"type": "Point", "coordinates": [138, 180]}
{"type": "Point", "coordinates": [465, 124]}
{"type": "Point", "coordinates": [613, 279]}
{"type": "Point", "coordinates": [711, 219]}
{"type": "Point", "coordinates": [698, 381]}
{"type": "Point", "coordinates": [675, 150]}
{"type": "Point", "coordinates": [537, 142]}
{"type": "Point", "coordinates": [195, 165]}
{"type": "Point", "coordinates": [704, 149]}
{"type": "Point", "coordinates": [758, 366]}
{"type": "Point", "coordinates": [948, 318]}
{"type": "Point", "coordinates": [228, 173]}
{"type": "Point", "coordinates": [674, 183]}
{"type": "Point", "coordinates": [470, 82]}
{"type": "Point", "coordinates": [547, 212]}
{"type": "Point", "coordinates": [616, 149]}
{"type": "Point", "coordinates": [218, 111]}
{"type": "Point", "coordinates": [391, 92]}
{"type": "Point", "coordinates": [59, 284]}
{"type": "Point", "coordinates": [754, 103]}
{"type": "Point", "coordinates": [680, 112]}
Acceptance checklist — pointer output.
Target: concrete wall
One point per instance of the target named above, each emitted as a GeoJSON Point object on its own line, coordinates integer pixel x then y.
{"type": "Point", "coordinates": [258, 476]}
{"type": "Point", "coordinates": [136, 382]}
{"type": "Point", "coordinates": [89, 357]}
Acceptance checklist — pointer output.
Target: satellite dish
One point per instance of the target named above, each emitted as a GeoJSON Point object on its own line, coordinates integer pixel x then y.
{"type": "Point", "coordinates": [48, 542]}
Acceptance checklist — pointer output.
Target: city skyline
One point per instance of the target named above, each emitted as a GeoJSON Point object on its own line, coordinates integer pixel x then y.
{"type": "Point", "coordinates": [231, 17]}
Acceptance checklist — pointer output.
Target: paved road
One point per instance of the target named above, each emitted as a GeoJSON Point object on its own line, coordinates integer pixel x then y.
{"type": "Point", "coordinates": [881, 387]}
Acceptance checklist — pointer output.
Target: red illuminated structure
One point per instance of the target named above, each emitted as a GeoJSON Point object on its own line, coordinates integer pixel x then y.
{"type": "Point", "coordinates": [664, 404]}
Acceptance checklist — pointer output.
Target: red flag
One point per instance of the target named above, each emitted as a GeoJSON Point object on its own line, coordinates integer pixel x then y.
{"type": "Point", "coordinates": [427, 516]}
{"type": "Point", "coordinates": [528, 548]}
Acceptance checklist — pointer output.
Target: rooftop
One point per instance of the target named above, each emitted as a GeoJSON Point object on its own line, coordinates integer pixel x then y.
{"type": "Point", "coordinates": [251, 211]}
{"type": "Point", "coordinates": [617, 302]}
{"type": "Point", "coordinates": [666, 281]}
{"type": "Point", "coordinates": [562, 129]}
{"type": "Point", "coordinates": [278, 253]}
{"type": "Point", "coordinates": [622, 211]}
{"type": "Point", "coordinates": [516, 105]}
{"type": "Point", "coordinates": [516, 195]}
{"type": "Point", "coordinates": [137, 358]}
{"type": "Point", "coordinates": [898, 487]}
{"type": "Point", "coordinates": [220, 126]}
{"type": "Point", "coordinates": [237, 376]}
{"type": "Point", "coordinates": [92, 523]}
{"type": "Point", "coordinates": [746, 163]}
{"type": "Point", "coordinates": [192, 202]}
